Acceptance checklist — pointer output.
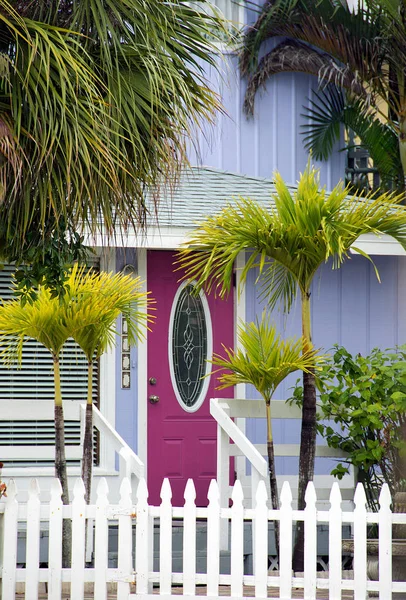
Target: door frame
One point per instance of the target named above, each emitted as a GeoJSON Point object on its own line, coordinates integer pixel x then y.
{"type": "Point", "coordinates": [142, 362]}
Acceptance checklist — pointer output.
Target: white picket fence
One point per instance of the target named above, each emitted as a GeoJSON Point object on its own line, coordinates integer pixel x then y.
{"type": "Point", "coordinates": [34, 514]}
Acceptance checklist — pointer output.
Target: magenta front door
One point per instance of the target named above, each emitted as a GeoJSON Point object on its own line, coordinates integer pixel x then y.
{"type": "Point", "coordinates": [181, 432]}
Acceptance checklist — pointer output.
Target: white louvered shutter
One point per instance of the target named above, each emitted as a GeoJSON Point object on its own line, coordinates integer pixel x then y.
{"type": "Point", "coordinates": [34, 382]}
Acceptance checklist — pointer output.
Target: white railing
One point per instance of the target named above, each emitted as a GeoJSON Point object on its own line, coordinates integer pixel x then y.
{"type": "Point", "coordinates": [142, 517]}
{"type": "Point", "coordinates": [233, 443]}
{"type": "Point", "coordinates": [130, 465]}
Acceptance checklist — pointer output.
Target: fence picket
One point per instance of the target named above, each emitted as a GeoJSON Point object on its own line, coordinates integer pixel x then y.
{"type": "Point", "coordinates": [143, 541]}
{"type": "Point", "coordinates": [285, 552]}
{"type": "Point", "coordinates": [33, 534]}
{"type": "Point", "coordinates": [310, 548]}
{"type": "Point", "coordinates": [385, 544]}
{"type": "Point", "coordinates": [237, 540]}
{"type": "Point", "coordinates": [213, 539]}
{"type": "Point", "coordinates": [261, 541]}
{"type": "Point", "coordinates": [124, 541]}
{"type": "Point", "coordinates": [55, 542]}
{"type": "Point", "coordinates": [335, 543]}
{"type": "Point", "coordinates": [78, 540]}
{"type": "Point", "coordinates": [360, 544]}
{"type": "Point", "coordinates": [12, 512]}
{"type": "Point", "coordinates": [189, 540]}
{"type": "Point", "coordinates": [101, 541]}
{"type": "Point", "coordinates": [10, 543]}
{"type": "Point", "coordinates": [165, 535]}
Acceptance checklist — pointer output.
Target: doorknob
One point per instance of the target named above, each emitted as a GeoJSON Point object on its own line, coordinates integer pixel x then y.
{"type": "Point", "coordinates": [153, 399]}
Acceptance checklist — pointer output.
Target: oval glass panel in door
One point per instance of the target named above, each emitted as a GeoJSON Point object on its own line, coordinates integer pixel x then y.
{"type": "Point", "coordinates": [190, 347]}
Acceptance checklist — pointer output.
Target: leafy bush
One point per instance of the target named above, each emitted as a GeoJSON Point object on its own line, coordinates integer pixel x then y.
{"type": "Point", "coordinates": [366, 397]}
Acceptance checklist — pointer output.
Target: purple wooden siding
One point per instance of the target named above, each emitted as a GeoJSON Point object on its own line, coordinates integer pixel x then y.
{"type": "Point", "coordinates": [269, 141]}
{"type": "Point", "coordinates": [350, 307]}
{"type": "Point", "coordinates": [126, 399]}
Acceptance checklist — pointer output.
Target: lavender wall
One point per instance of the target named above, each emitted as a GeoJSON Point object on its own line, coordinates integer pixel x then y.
{"type": "Point", "coordinates": [126, 399]}
{"type": "Point", "coordinates": [350, 307]}
{"type": "Point", "coordinates": [269, 141]}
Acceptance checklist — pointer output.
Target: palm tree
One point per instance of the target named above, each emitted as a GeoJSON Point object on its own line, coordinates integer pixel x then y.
{"type": "Point", "coordinates": [288, 241]}
{"type": "Point", "coordinates": [360, 52]}
{"type": "Point", "coordinates": [44, 321]}
{"type": "Point", "coordinates": [264, 360]}
{"type": "Point", "coordinates": [97, 102]}
{"type": "Point", "coordinates": [98, 299]}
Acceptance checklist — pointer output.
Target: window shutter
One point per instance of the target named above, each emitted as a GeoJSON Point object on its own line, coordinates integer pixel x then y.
{"type": "Point", "coordinates": [34, 382]}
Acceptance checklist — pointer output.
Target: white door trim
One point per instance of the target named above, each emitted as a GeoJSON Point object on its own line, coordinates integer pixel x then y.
{"type": "Point", "coordinates": [142, 355]}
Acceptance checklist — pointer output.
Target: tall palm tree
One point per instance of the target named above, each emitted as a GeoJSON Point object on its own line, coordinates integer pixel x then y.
{"type": "Point", "coordinates": [289, 240]}
{"type": "Point", "coordinates": [358, 51]}
{"type": "Point", "coordinates": [98, 299]}
{"type": "Point", "coordinates": [97, 102]}
{"type": "Point", "coordinates": [264, 360]}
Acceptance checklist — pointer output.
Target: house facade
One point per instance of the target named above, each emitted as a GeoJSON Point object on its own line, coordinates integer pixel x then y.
{"type": "Point", "coordinates": [154, 395]}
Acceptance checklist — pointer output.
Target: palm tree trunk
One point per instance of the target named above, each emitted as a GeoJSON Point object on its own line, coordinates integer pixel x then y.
{"type": "Point", "coordinates": [272, 472]}
{"type": "Point", "coordinates": [60, 461]}
{"type": "Point", "coordinates": [308, 435]}
{"type": "Point", "coordinates": [402, 143]}
{"type": "Point", "coordinates": [87, 460]}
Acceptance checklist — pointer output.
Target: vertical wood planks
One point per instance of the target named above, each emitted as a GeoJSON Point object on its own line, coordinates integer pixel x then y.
{"type": "Point", "coordinates": [189, 540]}
{"type": "Point", "coordinates": [78, 540]}
{"type": "Point", "coordinates": [101, 541]}
{"type": "Point", "coordinates": [33, 534]}
{"type": "Point", "coordinates": [335, 543]}
{"type": "Point", "coordinates": [360, 544]}
{"type": "Point", "coordinates": [237, 541]}
{"type": "Point", "coordinates": [124, 540]}
{"type": "Point", "coordinates": [55, 542]}
{"type": "Point", "coordinates": [143, 541]}
{"type": "Point", "coordinates": [10, 543]}
{"type": "Point", "coordinates": [310, 548]}
{"type": "Point", "coordinates": [261, 541]}
{"type": "Point", "coordinates": [285, 553]}
{"type": "Point", "coordinates": [213, 540]}
{"type": "Point", "coordinates": [385, 544]}
{"type": "Point", "coordinates": [165, 549]}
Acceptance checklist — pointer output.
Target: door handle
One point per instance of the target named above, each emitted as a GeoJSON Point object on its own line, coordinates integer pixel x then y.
{"type": "Point", "coordinates": [153, 399]}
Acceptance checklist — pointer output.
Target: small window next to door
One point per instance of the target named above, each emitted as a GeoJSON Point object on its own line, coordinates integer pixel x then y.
{"type": "Point", "coordinates": [190, 346]}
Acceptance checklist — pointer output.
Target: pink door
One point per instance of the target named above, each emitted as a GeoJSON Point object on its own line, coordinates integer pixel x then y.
{"type": "Point", "coordinates": [181, 432]}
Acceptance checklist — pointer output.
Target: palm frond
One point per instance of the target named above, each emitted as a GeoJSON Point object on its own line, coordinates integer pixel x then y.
{"type": "Point", "coordinates": [264, 359]}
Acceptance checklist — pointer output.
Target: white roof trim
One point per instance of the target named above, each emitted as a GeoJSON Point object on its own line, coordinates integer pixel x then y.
{"type": "Point", "coordinates": [383, 245]}
{"type": "Point", "coordinates": [171, 238]}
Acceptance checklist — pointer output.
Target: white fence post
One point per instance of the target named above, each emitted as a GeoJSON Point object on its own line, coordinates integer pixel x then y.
{"type": "Point", "coordinates": [385, 544]}
{"type": "Point", "coordinates": [213, 540]}
{"type": "Point", "coordinates": [237, 540]}
{"type": "Point", "coordinates": [143, 541]}
{"type": "Point", "coordinates": [55, 542]}
{"type": "Point", "coordinates": [261, 541]}
{"type": "Point", "coordinates": [189, 540]}
{"type": "Point", "coordinates": [360, 544]}
{"type": "Point", "coordinates": [335, 543]}
{"type": "Point", "coordinates": [101, 541]}
{"type": "Point", "coordinates": [124, 541]}
{"type": "Point", "coordinates": [32, 543]}
{"type": "Point", "coordinates": [285, 546]}
{"type": "Point", "coordinates": [78, 540]}
{"type": "Point", "coordinates": [10, 540]}
{"type": "Point", "coordinates": [310, 542]}
{"type": "Point", "coordinates": [165, 537]}
{"type": "Point", "coordinates": [223, 479]}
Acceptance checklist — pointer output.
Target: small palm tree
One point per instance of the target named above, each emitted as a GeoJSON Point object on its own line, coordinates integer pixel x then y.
{"type": "Point", "coordinates": [97, 300]}
{"type": "Point", "coordinates": [44, 321]}
{"type": "Point", "coordinates": [264, 360]}
{"type": "Point", "coordinates": [289, 241]}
